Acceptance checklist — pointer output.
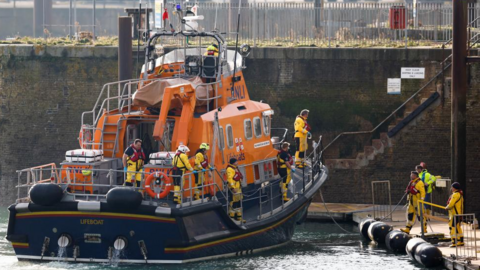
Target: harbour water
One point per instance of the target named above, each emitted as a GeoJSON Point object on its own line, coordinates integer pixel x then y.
{"type": "Point", "coordinates": [315, 245]}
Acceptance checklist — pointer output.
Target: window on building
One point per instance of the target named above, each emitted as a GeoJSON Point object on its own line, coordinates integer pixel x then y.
{"type": "Point", "coordinates": [229, 136]}
{"type": "Point", "coordinates": [257, 127]}
{"type": "Point", "coordinates": [248, 129]}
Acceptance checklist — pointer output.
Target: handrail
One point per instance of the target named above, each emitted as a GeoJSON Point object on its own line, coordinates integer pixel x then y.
{"type": "Point", "coordinates": [393, 113]}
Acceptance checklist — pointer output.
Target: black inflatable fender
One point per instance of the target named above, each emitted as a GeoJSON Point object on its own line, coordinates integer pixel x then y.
{"type": "Point", "coordinates": [124, 198]}
{"type": "Point", "coordinates": [377, 231]}
{"type": "Point", "coordinates": [46, 194]}
{"type": "Point", "coordinates": [363, 227]}
{"type": "Point", "coordinates": [412, 245]}
{"type": "Point", "coordinates": [428, 255]}
{"type": "Point", "coordinates": [396, 241]}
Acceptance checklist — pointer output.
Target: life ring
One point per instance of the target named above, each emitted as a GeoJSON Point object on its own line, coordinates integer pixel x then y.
{"type": "Point", "coordinates": [166, 179]}
{"type": "Point", "coordinates": [88, 137]}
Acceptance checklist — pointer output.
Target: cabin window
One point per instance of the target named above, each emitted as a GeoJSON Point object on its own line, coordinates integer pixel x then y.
{"type": "Point", "coordinates": [221, 135]}
{"type": "Point", "coordinates": [266, 124]}
{"type": "Point", "coordinates": [230, 136]}
{"type": "Point", "coordinates": [248, 129]}
{"type": "Point", "coordinates": [257, 127]}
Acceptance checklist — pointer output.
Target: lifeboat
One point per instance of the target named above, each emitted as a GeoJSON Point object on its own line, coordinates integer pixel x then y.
{"type": "Point", "coordinates": [82, 210]}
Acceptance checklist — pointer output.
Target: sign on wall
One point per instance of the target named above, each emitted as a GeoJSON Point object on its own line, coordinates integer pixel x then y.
{"type": "Point", "coordinates": [394, 86]}
{"type": "Point", "coordinates": [412, 73]}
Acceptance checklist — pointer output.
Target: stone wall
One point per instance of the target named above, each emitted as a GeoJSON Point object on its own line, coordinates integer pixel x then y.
{"type": "Point", "coordinates": [44, 90]}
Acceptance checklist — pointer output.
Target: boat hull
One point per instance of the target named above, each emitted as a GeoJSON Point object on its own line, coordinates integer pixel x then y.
{"type": "Point", "coordinates": [93, 235]}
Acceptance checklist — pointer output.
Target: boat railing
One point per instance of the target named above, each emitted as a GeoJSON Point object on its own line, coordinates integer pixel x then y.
{"type": "Point", "coordinates": [107, 88]}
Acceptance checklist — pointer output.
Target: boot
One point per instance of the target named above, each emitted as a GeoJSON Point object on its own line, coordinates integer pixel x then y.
{"type": "Point", "coordinates": [238, 216]}
{"type": "Point", "coordinates": [197, 194]}
{"type": "Point", "coordinates": [458, 244]}
{"type": "Point", "coordinates": [176, 195]}
{"type": "Point", "coordinates": [405, 230]}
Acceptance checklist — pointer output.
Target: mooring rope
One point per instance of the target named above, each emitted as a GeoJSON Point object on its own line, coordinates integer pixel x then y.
{"type": "Point", "coordinates": [321, 196]}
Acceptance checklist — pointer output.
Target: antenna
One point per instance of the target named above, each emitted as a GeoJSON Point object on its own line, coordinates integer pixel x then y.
{"type": "Point", "coordinates": [236, 48]}
{"type": "Point", "coordinates": [138, 31]}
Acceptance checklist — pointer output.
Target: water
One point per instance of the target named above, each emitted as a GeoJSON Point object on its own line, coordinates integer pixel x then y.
{"type": "Point", "coordinates": [314, 246]}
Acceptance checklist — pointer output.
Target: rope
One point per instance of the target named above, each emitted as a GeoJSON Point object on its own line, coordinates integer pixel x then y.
{"type": "Point", "coordinates": [321, 196]}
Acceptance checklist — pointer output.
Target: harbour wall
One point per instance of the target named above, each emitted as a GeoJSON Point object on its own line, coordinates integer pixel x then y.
{"type": "Point", "coordinates": [44, 90]}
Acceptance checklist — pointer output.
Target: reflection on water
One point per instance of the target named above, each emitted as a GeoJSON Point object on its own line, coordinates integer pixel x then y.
{"type": "Point", "coordinates": [314, 246]}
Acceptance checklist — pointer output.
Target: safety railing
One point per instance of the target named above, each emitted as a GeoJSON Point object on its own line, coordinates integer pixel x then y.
{"type": "Point", "coordinates": [466, 228]}
{"type": "Point", "coordinates": [86, 183]}
{"type": "Point", "coordinates": [381, 200]}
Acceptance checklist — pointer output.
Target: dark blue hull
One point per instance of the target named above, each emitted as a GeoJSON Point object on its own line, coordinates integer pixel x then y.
{"type": "Point", "coordinates": [167, 240]}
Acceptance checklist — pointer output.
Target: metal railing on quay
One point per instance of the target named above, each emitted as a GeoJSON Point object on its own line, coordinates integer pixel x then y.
{"type": "Point", "coordinates": [322, 24]}
{"type": "Point", "coordinates": [381, 200]}
{"type": "Point", "coordinates": [467, 251]}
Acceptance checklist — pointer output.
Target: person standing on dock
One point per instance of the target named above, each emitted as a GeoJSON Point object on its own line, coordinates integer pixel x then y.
{"type": "Point", "coordinates": [455, 207]}
{"type": "Point", "coordinates": [180, 165]}
{"type": "Point", "coordinates": [133, 161]}
{"type": "Point", "coordinates": [302, 133]}
{"type": "Point", "coordinates": [285, 168]}
{"type": "Point", "coordinates": [416, 191]}
{"type": "Point", "coordinates": [234, 179]}
{"type": "Point", "coordinates": [201, 165]}
{"type": "Point", "coordinates": [429, 182]}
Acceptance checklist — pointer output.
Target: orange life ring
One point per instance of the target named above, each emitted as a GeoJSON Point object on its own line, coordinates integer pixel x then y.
{"type": "Point", "coordinates": [166, 179]}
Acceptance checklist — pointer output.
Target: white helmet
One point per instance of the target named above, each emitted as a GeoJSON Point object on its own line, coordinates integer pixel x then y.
{"type": "Point", "coordinates": [183, 148]}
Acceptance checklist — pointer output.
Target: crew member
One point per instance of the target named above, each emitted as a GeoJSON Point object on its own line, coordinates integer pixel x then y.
{"type": "Point", "coordinates": [133, 160]}
{"type": "Point", "coordinates": [201, 165]}
{"type": "Point", "coordinates": [455, 207]}
{"type": "Point", "coordinates": [180, 165]}
{"type": "Point", "coordinates": [302, 132]}
{"type": "Point", "coordinates": [285, 168]}
{"type": "Point", "coordinates": [416, 191]}
{"type": "Point", "coordinates": [212, 50]}
{"type": "Point", "coordinates": [429, 181]}
{"type": "Point", "coordinates": [234, 179]}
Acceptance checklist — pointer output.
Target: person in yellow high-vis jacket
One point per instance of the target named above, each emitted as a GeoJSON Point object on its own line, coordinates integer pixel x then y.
{"type": "Point", "coordinates": [133, 160]}
{"type": "Point", "coordinates": [201, 165]}
{"type": "Point", "coordinates": [180, 166]}
{"type": "Point", "coordinates": [234, 180]}
{"type": "Point", "coordinates": [429, 182]}
{"type": "Point", "coordinates": [302, 133]}
{"type": "Point", "coordinates": [416, 191]}
{"type": "Point", "coordinates": [455, 207]}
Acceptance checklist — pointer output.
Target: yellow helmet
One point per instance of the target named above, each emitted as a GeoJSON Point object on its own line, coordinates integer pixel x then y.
{"type": "Point", "coordinates": [86, 172]}
{"type": "Point", "coordinates": [205, 146]}
{"type": "Point", "coordinates": [212, 48]}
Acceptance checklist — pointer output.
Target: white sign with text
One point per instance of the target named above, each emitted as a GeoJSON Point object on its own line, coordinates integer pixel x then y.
{"type": "Point", "coordinates": [394, 86]}
{"type": "Point", "coordinates": [412, 73]}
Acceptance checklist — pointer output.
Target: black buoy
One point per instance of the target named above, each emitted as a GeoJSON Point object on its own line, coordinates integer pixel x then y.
{"type": "Point", "coordinates": [412, 245]}
{"type": "Point", "coordinates": [378, 231]}
{"type": "Point", "coordinates": [396, 241]}
{"type": "Point", "coordinates": [46, 194]}
{"type": "Point", "coordinates": [124, 198]}
{"type": "Point", "coordinates": [428, 255]}
{"type": "Point", "coordinates": [363, 226]}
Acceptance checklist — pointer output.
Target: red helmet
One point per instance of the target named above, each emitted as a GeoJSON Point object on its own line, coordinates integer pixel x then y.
{"type": "Point", "coordinates": [423, 164]}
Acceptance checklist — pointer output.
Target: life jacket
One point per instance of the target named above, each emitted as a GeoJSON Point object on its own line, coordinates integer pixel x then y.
{"type": "Point", "coordinates": [176, 158]}
{"type": "Point", "coordinates": [306, 127]}
{"type": "Point", "coordinates": [411, 187]}
{"type": "Point", "coordinates": [137, 154]}
{"type": "Point", "coordinates": [204, 163]}
{"type": "Point", "coordinates": [238, 175]}
{"type": "Point", "coordinates": [282, 162]}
